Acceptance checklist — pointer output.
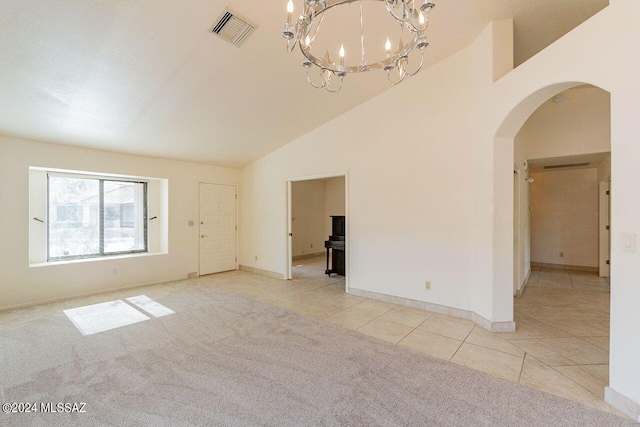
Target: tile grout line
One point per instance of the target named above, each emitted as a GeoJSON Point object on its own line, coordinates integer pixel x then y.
{"type": "Point", "coordinates": [577, 383]}
{"type": "Point", "coordinates": [460, 346]}
{"type": "Point", "coordinates": [522, 367]}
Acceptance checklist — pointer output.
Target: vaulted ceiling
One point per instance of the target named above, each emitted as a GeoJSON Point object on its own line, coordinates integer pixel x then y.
{"type": "Point", "coordinates": [146, 76]}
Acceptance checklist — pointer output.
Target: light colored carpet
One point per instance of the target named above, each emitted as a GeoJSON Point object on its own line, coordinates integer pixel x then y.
{"type": "Point", "coordinates": [95, 318]}
{"type": "Point", "coordinates": [222, 359]}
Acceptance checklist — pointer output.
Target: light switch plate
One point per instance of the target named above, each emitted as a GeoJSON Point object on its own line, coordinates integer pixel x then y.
{"type": "Point", "coordinates": [629, 242]}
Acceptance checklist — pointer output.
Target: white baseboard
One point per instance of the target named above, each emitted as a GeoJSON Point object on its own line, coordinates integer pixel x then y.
{"type": "Point", "coordinates": [262, 272]}
{"type": "Point", "coordinates": [622, 403]}
{"type": "Point", "coordinates": [305, 256]}
{"type": "Point", "coordinates": [520, 291]}
{"type": "Point", "coordinates": [564, 267]}
{"type": "Point", "coordinates": [436, 308]}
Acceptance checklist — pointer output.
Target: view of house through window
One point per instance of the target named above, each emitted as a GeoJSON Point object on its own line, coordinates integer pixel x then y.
{"type": "Point", "coordinates": [91, 217]}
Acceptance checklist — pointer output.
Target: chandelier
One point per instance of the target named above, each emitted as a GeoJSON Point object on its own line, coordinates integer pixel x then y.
{"type": "Point", "coordinates": [412, 17]}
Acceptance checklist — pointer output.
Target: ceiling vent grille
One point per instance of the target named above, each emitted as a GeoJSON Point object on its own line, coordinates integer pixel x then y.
{"type": "Point", "coordinates": [572, 165]}
{"type": "Point", "coordinates": [232, 28]}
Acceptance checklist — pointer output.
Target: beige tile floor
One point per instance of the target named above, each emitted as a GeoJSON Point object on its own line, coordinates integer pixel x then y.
{"type": "Point", "coordinates": [561, 345]}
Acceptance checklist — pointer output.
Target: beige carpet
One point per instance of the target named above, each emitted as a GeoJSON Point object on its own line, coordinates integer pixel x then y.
{"type": "Point", "coordinates": [222, 359]}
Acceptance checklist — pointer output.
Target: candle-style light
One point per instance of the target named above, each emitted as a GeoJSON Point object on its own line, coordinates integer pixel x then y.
{"type": "Point", "coordinates": [289, 11]}
{"type": "Point", "coordinates": [387, 46]}
{"type": "Point", "coordinates": [342, 55]}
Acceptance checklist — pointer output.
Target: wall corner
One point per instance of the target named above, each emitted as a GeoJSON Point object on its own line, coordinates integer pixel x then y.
{"type": "Point", "coordinates": [502, 47]}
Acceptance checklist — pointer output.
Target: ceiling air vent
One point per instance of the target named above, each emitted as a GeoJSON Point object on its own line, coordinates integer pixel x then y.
{"type": "Point", "coordinates": [572, 165]}
{"type": "Point", "coordinates": [232, 28]}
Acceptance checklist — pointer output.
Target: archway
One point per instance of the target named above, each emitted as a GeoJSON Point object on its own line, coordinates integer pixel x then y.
{"type": "Point", "coordinates": [572, 367]}
{"type": "Point", "coordinates": [504, 183]}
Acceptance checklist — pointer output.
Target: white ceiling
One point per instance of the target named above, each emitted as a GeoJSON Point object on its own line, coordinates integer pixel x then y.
{"type": "Point", "coordinates": [145, 76]}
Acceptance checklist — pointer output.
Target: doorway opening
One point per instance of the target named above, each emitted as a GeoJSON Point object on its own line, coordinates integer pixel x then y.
{"type": "Point", "coordinates": [562, 158]}
{"type": "Point", "coordinates": [315, 206]}
{"type": "Point", "coordinates": [561, 193]}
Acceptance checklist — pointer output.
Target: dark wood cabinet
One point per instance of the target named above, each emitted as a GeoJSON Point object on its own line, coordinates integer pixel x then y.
{"type": "Point", "coordinates": [336, 246]}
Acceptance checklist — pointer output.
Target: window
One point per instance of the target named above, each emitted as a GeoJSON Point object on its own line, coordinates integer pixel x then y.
{"type": "Point", "coordinates": [92, 217]}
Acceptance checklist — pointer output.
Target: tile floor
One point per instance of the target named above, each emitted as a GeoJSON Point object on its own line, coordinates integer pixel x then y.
{"type": "Point", "coordinates": [561, 345]}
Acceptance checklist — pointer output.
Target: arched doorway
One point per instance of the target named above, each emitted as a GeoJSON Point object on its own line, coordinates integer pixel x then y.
{"type": "Point", "coordinates": [558, 346]}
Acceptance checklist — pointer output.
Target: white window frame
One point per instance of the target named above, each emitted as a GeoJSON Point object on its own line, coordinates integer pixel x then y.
{"type": "Point", "coordinates": [157, 214]}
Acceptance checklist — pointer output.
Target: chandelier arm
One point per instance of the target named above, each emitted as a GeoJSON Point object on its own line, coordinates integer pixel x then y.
{"type": "Point", "coordinates": [291, 44]}
{"type": "Point", "coordinates": [323, 82]}
{"type": "Point", "coordinates": [402, 77]}
{"type": "Point", "coordinates": [315, 33]}
{"type": "Point", "coordinates": [393, 13]}
{"type": "Point", "coordinates": [419, 66]}
{"type": "Point", "coordinates": [328, 88]}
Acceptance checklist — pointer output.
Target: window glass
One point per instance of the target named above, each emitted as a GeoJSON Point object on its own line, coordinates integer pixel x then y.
{"type": "Point", "coordinates": [73, 226]}
{"type": "Point", "coordinates": [91, 217]}
{"type": "Point", "coordinates": [123, 216]}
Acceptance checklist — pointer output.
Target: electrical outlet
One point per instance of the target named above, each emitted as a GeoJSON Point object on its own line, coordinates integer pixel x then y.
{"type": "Point", "coordinates": [427, 285]}
{"type": "Point", "coordinates": [312, 246]}
{"type": "Point", "coordinates": [114, 272]}
{"type": "Point", "coordinates": [561, 254]}
{"type": "Point", "coordinates": [256, 257]}
{"type": "Point", "coordinates": [191, 223]}
{"type": "Point", "coordinates": [192, 275]}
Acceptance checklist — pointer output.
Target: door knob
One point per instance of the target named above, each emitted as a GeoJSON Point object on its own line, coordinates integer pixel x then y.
{"type": "Point", "coordinates": [203, 236]}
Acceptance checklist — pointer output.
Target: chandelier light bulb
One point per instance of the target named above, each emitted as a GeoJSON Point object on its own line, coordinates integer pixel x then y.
{"type": "Point", "coordinates": [387, 46]}
{"type": "Point", "coordinates": [421, 18]}
{"type": "Point", "coordinates": [289, 11]}
{"type": "Point", "coordinates": [307, 41]}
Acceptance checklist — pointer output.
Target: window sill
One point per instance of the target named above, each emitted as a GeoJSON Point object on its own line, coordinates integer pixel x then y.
{"type": "Point", "coordinates": [96, 259]}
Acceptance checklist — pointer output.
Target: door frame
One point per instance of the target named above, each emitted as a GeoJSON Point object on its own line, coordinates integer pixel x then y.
{"type": "Point", "coordinates": [199, 210]}
{"type": "Point", "coordinates": [604, 234]}
{"type": "Point", "coordinates": [517, 255]}
{"type": "Point", "coordinates": [288, 217]}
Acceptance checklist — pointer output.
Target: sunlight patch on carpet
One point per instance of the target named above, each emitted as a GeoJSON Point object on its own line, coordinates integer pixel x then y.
{"type": "Point", "coordinates": [105, 316]}
{"type": "Point", "coordinates": [145, 303]}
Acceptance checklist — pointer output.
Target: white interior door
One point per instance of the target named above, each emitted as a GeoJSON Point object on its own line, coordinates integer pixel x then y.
{"type": "Point", "coordinates": [217, 228]}
{"type": "Point", "coordinates": [604, 229]}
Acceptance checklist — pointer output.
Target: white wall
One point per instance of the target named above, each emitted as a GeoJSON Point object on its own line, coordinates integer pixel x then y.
{"type": "Point", "coordinates": [406, 224]}
{"type": "Point", "coordinates": [581, 124]}
{"type": "Point", "coordinates": [308, 217]}
{"type": "Point", "coordinates": [432, 198]}
{"type": "Point", "coordinates": [20, 284]}
{"type": "Point", "coordinates": [333, 201]}
{"type": "Point", "coordinates": [564, 217]}
{"type": "Point", "coordinates": [604, 170]}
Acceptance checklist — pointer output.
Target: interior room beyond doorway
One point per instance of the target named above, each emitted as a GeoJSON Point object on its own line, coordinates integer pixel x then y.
{"type": "Point", "coordinates": [313, 203]}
